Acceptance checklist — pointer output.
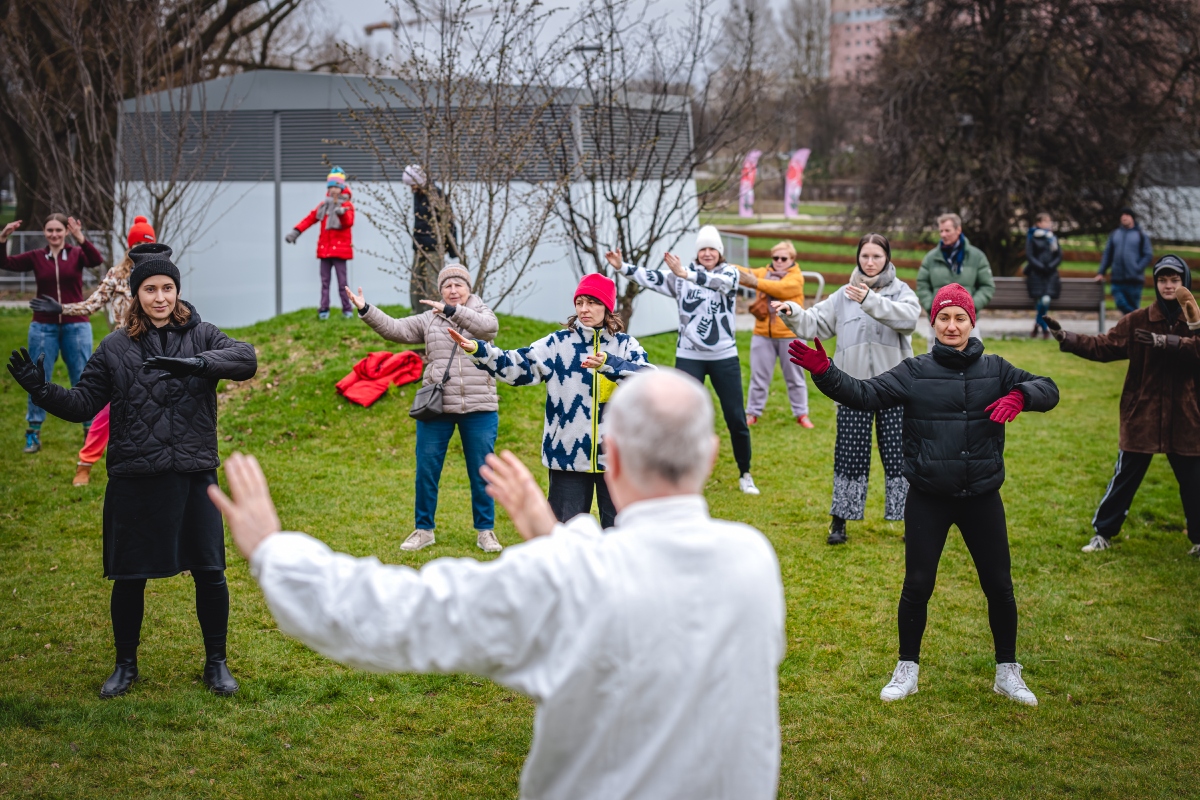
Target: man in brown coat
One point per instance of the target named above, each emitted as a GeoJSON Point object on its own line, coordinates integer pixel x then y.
{"type": "Point", "coordinates": [1160, 404]}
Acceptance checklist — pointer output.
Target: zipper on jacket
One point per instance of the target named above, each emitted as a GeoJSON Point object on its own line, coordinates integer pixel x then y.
{"type": "Point", "coordinates": [595, 402]}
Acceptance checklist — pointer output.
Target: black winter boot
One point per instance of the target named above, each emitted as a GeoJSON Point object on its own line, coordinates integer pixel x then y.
{"type": "Point", "coordinates": [123, 676]}
{"type": "Point", "coordinates": [837, 531]}
{"type": "Point", "coordinates": [217, 677]}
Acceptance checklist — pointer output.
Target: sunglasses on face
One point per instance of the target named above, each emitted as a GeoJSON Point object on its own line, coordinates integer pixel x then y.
{"type": "Point", "coordinates": [780, 258]}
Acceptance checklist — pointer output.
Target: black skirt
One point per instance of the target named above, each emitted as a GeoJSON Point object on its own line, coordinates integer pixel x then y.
{"type": "Point", "coordinates": [156, 526]}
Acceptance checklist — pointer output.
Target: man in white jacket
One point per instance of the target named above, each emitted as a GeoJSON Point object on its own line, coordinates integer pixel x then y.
{"type": "Point", "coordinates": [652, 651]}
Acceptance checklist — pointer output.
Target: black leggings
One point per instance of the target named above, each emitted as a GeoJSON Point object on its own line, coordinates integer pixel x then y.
{"type": "Point", "coordinates": [980, 519]}
{"type": "Point", "coordinates": [726, 377]}
{"type": "Point", "coordinates": [571, 495]}
{"type": "Point", "coordinates": [212, 609]}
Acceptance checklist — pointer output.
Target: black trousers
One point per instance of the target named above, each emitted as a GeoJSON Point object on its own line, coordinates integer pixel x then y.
{"type": "Point", "coordinates": [1127, 477]}
{"type": "Point", "coordinates": [726, 377]}
{"type": "Point", "coordinates": [212, 609]}
{"type": "Point", "coordinates": [571, 495]}
{"type": "Point", "coordinates": [852, 461]}
{"type": "Point", "coordinates": [980, 519]}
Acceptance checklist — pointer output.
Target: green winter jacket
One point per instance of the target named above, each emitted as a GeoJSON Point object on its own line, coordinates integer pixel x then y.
{"type": "Point", "coordinates": [976, 276]}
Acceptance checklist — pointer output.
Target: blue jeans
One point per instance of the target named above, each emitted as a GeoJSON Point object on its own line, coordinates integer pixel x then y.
{"type": "Point", "coordinates": [72, 339]}
{"type": "Point", "coordinates": [1043, 308]}
{"type": "Point", "coordinates": [1128, 296]}
{"type": "Point", "coordinates": [478, 433]}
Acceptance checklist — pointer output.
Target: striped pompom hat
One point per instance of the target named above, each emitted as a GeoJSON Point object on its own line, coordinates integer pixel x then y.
{"type": "Point", "coordinates": [336, 178]}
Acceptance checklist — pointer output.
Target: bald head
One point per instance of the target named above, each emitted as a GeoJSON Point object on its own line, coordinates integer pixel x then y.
{"type": "Point", "coordinates": [661, 424]}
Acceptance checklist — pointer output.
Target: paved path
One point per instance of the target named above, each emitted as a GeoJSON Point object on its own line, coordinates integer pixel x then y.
{"type": "Point", "coordinates": [1001, 326]}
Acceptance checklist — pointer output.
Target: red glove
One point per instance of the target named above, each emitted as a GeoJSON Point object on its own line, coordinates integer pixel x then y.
{"type": "Point", "coordinates": [1006, 408]}
{"type": "Point", "coordinates": [815, 361]}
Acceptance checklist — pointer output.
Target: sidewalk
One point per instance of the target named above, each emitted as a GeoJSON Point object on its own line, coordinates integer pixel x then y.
{"type": "Point", "coordinates": [1002, 324]}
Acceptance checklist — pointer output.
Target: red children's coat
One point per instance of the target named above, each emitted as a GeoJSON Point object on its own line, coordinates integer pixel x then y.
{"type": "Point", "coordinates": [335, 243]}
{"type": "Point", "coordinates": [371, 377]}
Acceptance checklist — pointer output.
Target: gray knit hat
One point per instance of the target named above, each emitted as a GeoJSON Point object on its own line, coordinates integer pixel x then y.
{"type": "Point", "coordinates": [149, 259]}
{"type": "Point", "coordinates": [454, 271]}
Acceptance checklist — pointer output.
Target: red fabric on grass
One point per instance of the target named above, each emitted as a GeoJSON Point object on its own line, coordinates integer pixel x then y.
{"type": "Point", "coordinates": [371, 377]}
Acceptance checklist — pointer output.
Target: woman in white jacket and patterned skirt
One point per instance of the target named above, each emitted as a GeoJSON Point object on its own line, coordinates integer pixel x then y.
{"type": "Point", "coordinates": [873, 317]}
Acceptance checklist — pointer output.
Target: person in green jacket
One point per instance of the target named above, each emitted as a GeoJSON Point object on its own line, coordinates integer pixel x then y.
{"type": "Point", "coordinates": [955, 260]}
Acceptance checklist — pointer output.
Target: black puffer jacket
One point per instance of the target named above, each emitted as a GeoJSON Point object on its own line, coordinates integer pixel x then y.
{"type": "Point", "coordinates": [951, 446]}
{"type": "Point", "coordinates": [158, 423]}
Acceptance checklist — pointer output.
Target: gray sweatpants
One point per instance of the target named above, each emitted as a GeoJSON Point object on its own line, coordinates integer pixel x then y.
{"type": "Point", "coordinates": [764, 352]}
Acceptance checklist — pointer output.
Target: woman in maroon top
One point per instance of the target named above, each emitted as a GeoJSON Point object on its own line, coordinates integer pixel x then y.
{"type": "Point", "coordinates": [58, 269]}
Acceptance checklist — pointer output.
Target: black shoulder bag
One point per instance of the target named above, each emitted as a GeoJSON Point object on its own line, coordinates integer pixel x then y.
{"type": "Point", "coordinates": [427, 404]}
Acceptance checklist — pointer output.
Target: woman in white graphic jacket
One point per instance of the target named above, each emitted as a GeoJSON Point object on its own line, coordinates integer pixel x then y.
{"type": "Point", "coordinates": [873, 317]}
{"type": "Point", "coordinates": [705, 291]}
{"type": "Point", "coordinates": [579, 365]}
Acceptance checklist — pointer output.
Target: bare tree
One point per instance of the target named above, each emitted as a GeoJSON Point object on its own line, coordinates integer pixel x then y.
{"type": "Point", "coordinates": [997, 109]}
{"type": "Point", "coordinates": [653, 109]}
{"type": "Point", "coordinates": [470, 100]}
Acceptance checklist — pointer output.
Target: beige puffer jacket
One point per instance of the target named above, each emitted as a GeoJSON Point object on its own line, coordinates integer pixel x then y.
{"type": "Point", "coordinates": [469, 388]}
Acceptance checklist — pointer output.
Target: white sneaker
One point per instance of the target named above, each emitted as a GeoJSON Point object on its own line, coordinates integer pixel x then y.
{"type": "Point", "coordinates": [1097, 544]}
{"type": "Point", "coordinates": [746, 484]}
{"type": "Point", "coordinates": [903, 682]}
{"type": "Point", "coordinates": [486, 541]}
{"type": "Point", "coordinates": [1009, 683]}
{"type": "Point", "coordinates": [1195, 551]}
{"type": "Point", "coordinates": [417, 539]}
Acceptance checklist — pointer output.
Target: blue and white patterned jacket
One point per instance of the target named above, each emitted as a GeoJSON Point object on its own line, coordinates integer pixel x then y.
{"type": "Point", "coordinates": [574, 412]}
{"type": "Point", "coordinates": [706, 301]}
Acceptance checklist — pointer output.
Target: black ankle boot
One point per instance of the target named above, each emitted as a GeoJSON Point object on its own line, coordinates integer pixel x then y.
{"type": "Point", "coordinates": [837, 531]}
{"type": "Point", "coordinates": [217, 676]}
{"type": "Point", "coordinates": [123, 676]}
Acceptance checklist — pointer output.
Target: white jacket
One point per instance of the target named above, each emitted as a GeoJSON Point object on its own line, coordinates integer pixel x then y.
{"type": "Point", "coordinates": [872, 337]}
{"type": "Point", "coordinates": [706, 300]}
{"type": "Point", "coordinates": [652, 652]}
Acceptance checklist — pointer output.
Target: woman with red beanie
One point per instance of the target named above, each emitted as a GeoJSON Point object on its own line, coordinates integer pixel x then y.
{"type": "Point", "coordinates": [956, 401]}
{"type": "Point", "coordinates": [579, 365]}
{"type": "Point", "coordinates": [113, 292]}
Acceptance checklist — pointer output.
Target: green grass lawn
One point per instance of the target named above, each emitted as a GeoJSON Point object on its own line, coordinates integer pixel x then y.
{"type": "Point", "coordinates": [1109, 641]}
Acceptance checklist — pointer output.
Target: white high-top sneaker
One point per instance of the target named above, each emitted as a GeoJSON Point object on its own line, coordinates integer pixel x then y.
{"type": "Point", "coordinates": [746, 484]}
{"type": "Point", "coordinates": [903, 682]}
{"type": "Point", "coordinates": [1009, 683]}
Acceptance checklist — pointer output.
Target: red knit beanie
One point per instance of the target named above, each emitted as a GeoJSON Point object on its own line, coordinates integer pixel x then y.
{"type": "Point", "coordinates": [603, 289]}
{"type": "Point", "coordinates": [953, 295]}
{"type": "Point", "coordinates": [141, 232]}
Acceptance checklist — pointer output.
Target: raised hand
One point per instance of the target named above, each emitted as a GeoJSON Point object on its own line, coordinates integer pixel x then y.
{"type": "Point", "coordinates": [76, 230]}
{"type": "Point", "coordinates": [8, 229]}
{"type": "Point", "coordinates": [1056, 330]}
{"type": "Point", "coordinates": [45, 305]}
{"type": "Point", "coordinates": [31, 376]}
{"type": "Point", "coordinates": [251, 513]}
{"type": "Point", "coordinates": [593, 361]}
{"type": "Point", "coordinates": [175, 367]}
{"type": "Point", "coordinates": [782, 307]}
{"type": "Point", "coordinates": [815, 361]}
{"type": "Point", "coordinates": [1006, 408]}
{"type": "Point", "coordinates": [436, 305]}
{"type": "Point", "coordinates": [359, 299]}
{"type": "Point", "coordinates": [675, 264]}
{"type": "Point", "coordinates": [466, 344]}
{"type": "Point", "coordinates": [1191, 311]}
{"type": "Point", "coordinates": [614, 259]}
{"type": "Point", "coordinates": [511, 484]}
{"type": "Point", "coordinates": [856, 293]}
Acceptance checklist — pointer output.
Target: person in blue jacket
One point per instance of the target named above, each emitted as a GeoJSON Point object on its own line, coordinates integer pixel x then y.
{"type": "Point", "coordinates": [1128, 253]}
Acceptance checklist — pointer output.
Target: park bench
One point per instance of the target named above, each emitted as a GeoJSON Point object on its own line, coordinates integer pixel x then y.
{"type": "Point", "coordinates": [1078, 294]}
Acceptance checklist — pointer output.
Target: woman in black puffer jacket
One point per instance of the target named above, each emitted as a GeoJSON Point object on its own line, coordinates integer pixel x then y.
{"type": "Point", "coordinates": [160, 374]}
{"type": "Point", "coordinates": [955, 402]}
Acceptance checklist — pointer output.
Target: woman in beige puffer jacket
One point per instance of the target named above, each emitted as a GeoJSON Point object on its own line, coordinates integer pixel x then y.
{"type": "Point", "coordinates": [469, 400]}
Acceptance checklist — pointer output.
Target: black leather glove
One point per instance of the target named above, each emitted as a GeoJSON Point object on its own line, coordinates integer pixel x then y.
{"type": "Point", "coordinates": [1056, 330]}
{"type": "Point", "coordinates": [175, 367]}
{"type": "Point", "coordinates": [1159, 341]}
{"type": "Point", "coordinates": [31, 376]}
{"type": "Point", "coordinates": [45, 305]}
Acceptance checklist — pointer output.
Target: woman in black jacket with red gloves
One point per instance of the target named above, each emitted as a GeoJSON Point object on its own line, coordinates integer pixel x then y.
{"type": "Point", "coordinates": [955, 401]}
{"type": "Point", "coordinates": [160, 374]}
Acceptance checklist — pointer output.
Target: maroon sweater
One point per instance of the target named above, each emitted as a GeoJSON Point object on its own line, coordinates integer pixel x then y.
{"type": "Point", "coordinates": [62, 280]}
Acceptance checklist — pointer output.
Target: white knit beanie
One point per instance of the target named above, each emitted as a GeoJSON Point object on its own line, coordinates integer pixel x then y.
{"type": "Point", "coordinates": [414, 175]}
{"type": "Point", "coordinates": [709, 236]}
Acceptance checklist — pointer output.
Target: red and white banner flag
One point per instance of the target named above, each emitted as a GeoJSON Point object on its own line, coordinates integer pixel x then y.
{"type": "Point", "coordinates": [749, 173]}
{"type": "Point", "coordinates": [794, 183]}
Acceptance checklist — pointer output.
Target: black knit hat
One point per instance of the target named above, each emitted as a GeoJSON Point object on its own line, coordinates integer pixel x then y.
{"type": "Point", "coordinates": [1129, 211]}
{"type": "Point", "coordinates": [149, 259]}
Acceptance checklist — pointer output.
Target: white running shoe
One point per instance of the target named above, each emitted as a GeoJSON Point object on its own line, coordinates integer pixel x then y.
{"type": "Point", "coordinates": [417, 539]}
{"type": "Point", "coordinates": [1195, 551]}
{"type": "Point", "coordinates": [903, 682]}
{"type": "Point", "coordinates": [487, 542]}
{"type": "Point", "coordinates": [1009, 683]}
{"type": "Point", "coordinates": [1097, 544]}
{"type": "Point", "coordinates": [746, 484]}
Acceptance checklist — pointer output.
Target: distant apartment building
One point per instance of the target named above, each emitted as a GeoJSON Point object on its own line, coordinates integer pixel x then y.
{"type": "Point", "coordinates": [857, 28]}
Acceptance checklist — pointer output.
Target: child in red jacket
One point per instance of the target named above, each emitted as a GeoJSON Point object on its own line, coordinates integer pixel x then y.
{"type": "Point", "coordinates": [335, 245]}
